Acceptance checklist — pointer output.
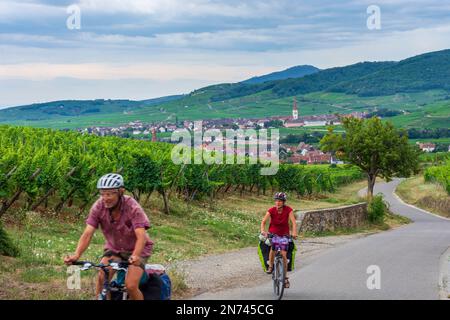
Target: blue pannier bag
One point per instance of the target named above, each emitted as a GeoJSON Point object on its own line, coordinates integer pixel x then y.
{"type": "Point", "coordinates": [158, 285]}
{"type": "Point", "coordinates": [166, 288]}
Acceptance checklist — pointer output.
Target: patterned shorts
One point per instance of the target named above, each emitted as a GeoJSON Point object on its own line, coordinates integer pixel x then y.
{"type": "Point", "coordinates": [281, 243]}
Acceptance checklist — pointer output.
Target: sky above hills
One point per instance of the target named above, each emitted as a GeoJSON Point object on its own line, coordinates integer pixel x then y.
{"type": "Point", "coordinates": [139, 49]}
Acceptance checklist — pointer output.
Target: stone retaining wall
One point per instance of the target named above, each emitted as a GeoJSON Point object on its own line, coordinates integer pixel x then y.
{"type": "Point", "coordinates": [352, 216]}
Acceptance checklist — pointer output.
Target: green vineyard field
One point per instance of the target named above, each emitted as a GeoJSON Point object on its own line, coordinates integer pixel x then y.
{"type": "Point", "coordinates": [42, 164]}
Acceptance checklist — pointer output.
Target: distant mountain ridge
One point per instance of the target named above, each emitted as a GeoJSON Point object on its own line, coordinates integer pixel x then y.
{"type": "Point", "coordinates": [71, 108]}
{"type": "Point", "coordinates": [293, 72]}
{"type": "Point", "coordinates": [429, 71]}
{"type": "Point", "coordinates": [423, 72]}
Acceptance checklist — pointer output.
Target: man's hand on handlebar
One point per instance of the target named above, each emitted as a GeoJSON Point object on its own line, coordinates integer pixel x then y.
{"type": "Point", "coordinates": [134, 260]}
{"type": "Point", "coordinates": [70, 259]}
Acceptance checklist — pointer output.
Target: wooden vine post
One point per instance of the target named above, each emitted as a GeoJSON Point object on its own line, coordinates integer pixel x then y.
{"type": "Point", "coordinates": [7, 204]}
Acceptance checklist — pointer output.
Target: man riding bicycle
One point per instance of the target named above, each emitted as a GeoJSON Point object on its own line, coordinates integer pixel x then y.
{"type": "Point", "coordinates": [124, 224]}
{"type": "Point", "coordinates": [279, 215]}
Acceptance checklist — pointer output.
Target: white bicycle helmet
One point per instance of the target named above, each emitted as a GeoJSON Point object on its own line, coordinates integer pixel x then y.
{"type": "Point", "coordinates": [280, 196]}
{"type": "Point", "coordinates": [110, 181]}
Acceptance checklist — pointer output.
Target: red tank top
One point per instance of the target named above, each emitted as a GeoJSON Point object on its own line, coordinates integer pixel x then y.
{"type": "Point", "coordinates": [279, 222]}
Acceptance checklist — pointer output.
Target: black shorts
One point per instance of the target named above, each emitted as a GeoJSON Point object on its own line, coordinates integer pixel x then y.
{"type": "Point", "coordinates": [125, 255]}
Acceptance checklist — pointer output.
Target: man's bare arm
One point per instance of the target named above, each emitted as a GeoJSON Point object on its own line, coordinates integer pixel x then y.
{"type": "Point", "coordinates": [83, 244]}
{"type": "Point", "coordinates": [140, 241]}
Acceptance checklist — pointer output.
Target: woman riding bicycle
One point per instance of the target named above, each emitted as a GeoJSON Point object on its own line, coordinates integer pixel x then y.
{"type": "Point", "coordinates": [279, 215]}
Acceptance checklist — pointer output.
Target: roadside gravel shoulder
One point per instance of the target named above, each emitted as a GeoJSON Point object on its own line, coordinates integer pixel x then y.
{"type": "Point", "coordinates": [242, 268]}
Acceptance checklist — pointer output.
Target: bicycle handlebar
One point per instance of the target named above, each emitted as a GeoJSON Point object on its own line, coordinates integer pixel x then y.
{"type": "Point", "coordinates": [80, 263]}
{"type": "Point", "coordinates": [120, 265]}
{"type": "Point", "coordinates": [269, 235]}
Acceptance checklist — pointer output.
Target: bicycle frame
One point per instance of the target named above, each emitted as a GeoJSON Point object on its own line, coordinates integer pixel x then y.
{"type": "Point", "coordinates": [115, 286]}
{"type": "Point", "coordinates": [278, 275]}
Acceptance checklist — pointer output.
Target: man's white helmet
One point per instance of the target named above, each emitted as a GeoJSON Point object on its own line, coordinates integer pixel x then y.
{"type": "Point", "coordinates": [110, 181]}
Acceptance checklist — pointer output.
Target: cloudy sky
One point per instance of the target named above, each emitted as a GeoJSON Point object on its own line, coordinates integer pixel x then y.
{"type": "Point", "coordinates": [140, 49]}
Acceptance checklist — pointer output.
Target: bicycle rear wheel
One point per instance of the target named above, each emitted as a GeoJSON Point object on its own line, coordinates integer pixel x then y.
{"type": "Point", "coordinates": [278, 278]}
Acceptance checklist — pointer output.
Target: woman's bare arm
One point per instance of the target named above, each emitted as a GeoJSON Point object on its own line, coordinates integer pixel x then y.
{"type": "Point", "coordinates": [264, 221]}
{"type": "Point", "coordinates": [294, 224]}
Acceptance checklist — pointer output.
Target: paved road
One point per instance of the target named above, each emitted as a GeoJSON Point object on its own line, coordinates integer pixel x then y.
{"type": "Point", "coordinates": [408, 258]}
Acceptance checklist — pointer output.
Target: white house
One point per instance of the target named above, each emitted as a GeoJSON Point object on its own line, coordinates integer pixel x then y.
{"type": "Point", "coordinates": [427, 146]}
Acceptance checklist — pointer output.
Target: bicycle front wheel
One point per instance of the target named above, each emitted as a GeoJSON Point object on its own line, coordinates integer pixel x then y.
{"type": "Point", "coordinates": [278, 279]}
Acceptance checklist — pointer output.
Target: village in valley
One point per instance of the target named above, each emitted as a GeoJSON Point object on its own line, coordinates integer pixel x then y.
{"type": "Point", "coordinates": [300, 153]}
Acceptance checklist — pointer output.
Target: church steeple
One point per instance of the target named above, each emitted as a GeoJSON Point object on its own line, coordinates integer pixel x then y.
{"type": "Point", "coordinates": [295, 110]}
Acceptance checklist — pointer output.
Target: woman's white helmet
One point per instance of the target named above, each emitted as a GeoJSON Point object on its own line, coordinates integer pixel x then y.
{"type": "Point", "coordinates": [110, 181]}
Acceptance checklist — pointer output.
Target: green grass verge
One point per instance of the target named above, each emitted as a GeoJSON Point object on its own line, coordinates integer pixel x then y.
{"type": "Point", "coordinates": [426, 195]}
